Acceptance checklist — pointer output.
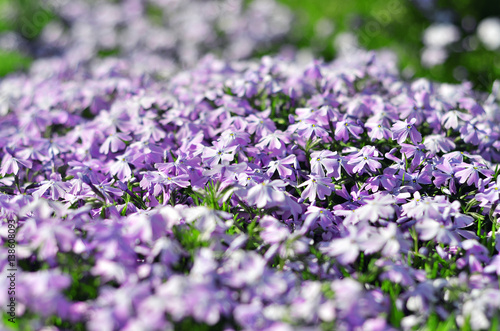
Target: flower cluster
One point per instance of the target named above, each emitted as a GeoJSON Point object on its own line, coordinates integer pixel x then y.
{"type": "Point", "coordinates": [158, 35]}
{"type": "Point", "coordinates": [261, 195]}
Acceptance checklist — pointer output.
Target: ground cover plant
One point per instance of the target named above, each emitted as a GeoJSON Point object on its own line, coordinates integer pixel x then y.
{"type": "Point", "coordinates": [256, 195]}
{"type": "Point", "coordinates": [440, 40]}
{"type": "Point", "coordinates": [167, 34]}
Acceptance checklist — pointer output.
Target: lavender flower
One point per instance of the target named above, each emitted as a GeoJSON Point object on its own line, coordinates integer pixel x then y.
{"type": "Point", "coordinates": [317, 186]}
{"type": "Point", "coordinates": [343, 128]}
{"type": "Point", "coordinates": [470, 173]}
{"type": "Point", "coordinates": [379, 206]}
{"type": "Point", "coordinates": [266, 193]}
{"type": "Point", "coordinates": [10, 164]}
{"type": "Point", "coordinates": [367, 156]}
{"type": "Point", "coordinates": [401, 130]}
{"type": "Point", "coordinates": [202, 194]}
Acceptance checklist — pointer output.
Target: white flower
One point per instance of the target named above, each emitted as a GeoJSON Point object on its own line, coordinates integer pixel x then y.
{"type": "Point", "coordinates": [432, 56]}
{"type": "Point", "coordinates": [488, 32]}
{"type": "Point", "coordinates": [440, 35]}
{"type": "Point", "coordinates": [346, 43]}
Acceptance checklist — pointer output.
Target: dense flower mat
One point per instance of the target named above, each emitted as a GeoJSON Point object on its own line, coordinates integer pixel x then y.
{"type": "Point", "coordinates": [250, 195]}
{"type": "Point", "coordinates": [159, 35]}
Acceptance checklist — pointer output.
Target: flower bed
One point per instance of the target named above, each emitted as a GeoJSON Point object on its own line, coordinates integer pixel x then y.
{"type": "Point", "coordinates": [250, 195]}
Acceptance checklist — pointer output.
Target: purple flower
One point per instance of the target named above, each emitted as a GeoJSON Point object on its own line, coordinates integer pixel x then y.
{"type": "Point", "coordinates": [179, 181]}
{"type": "Point", "coordinates": [476, 255]}
{"type": "Point", "coordinates": [281, 166]}
{"type": "Point", "coordinates": [493, 266]}
{"type": "Point", "coordinates": [317, 186]}
{"type": "Point", "coordinates": [390, 240]}
{"type": "Point", "coordinates": [144, 152]}
{"type": "Point", "coordinates": [182, 165]}
{"type": "Point", "coordinates": [366, 157]}
{"type": "Point", "coordinates": [107, 190]}
{"type": "Point", "coordinates": [378, 131]}
{"type": "Point", "coordinates": [219, 153]}
{"type": "Point", "coordinates": [450, 118]}
{"type": "Point", "coordinates": [233, 137]}
{"type": "Point", "coordinates": [250, 315]}
{"type": "Point", "coordinates": [398, 273]}
{"type": "Point", "coordinates": [10, 164]}
{"type": "Point", "coordinates": [445, 172]}
{"type": "Point", "coordinates": [273, 231]}
{"type": "Point", "coordinates": [471, 105]}
{"type": "Point", "coordinates": [416, 107]}
{"type": "Point", "coordinates": [401, 130]}
{"type": "Point", "coordinates": [313, 71]}
{"type": "Point", "coordinates": [57, 188]}
{"type": "Point", "coordinates": [429, 229]}
{"type": "Point", "coordinates": [324, 160]}
{"type": "Point", "coordinates": [260, 124]}
{"type": "Point", "coordinates": [420, 207]}
{"type": "Point", "coordinates": [306, 305]}
{"type": "Point", "coordinates": [309, 128]}
{"type": "Point", "coordinates": [437, 143]}
{"type": "Point", "coordinates": [274, 141]}
{"type": "Point", "coordinates": [470, 173]}
{"type": "Point", "coordinates": [341, 162]}
{"type": "Point", "coordinates": [242, 269]}
{"type": "Point", "coordinates": [470, 133]}
{"type": "Point", "coordinates": [490, 195]}
{"type": "Point", "coordinates": [121, 168]}
{"type": "Point", "coordinates": [380, 206]}
{"type": "Point", "coordinates": [49, 284]}
{"type": "Point", "coordinates": [346, 249]}
{"type": "Point", "coordinates": [343, 128]}
{"type": "Point", "coordinates": [320, 216]}
{"type": "Point", "coordinates": [210, 212]}
{"type": "Point", "coordinates": [414, 152]}
{"type": "Point", "coordinates": [114, 142]}
{"type": "Point", "coordinates": [413, 181]}
{"type": "Point", "coordinates": [267, 193]}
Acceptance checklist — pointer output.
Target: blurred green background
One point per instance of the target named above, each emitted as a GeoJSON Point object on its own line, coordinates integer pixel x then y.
{"type": "Point", "coordinates": [11, 13]}
{"type": "Point", "coordinates": [399, 25]}
{"type": "Point", "coordinates": [394, 24]}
